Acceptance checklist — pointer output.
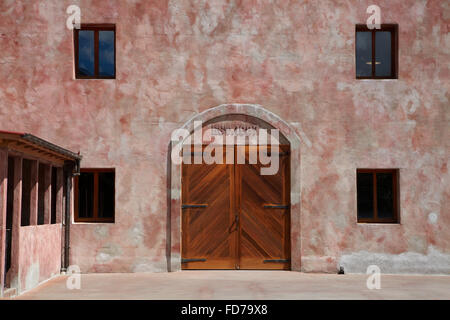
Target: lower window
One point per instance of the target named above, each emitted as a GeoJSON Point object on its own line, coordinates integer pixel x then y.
{"type": "Point", "coordinates": [377, 195]}
{"type": "Point", "coordinates": [95, 195]}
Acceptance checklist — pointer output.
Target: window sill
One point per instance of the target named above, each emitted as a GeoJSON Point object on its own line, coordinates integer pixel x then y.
{"type": "Point", "coordinates": [363, 79]}
{"type": "Point", "coordinates": [379, 223]}
{"type": "Point", "coordinates": [93, 222]}
{"type": "Point", "coordinates": [108, 78]}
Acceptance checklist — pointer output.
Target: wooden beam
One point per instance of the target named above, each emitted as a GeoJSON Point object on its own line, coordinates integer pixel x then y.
{"type": "Point", "coordinates": [25, 147]}
{"type": "Point", "coordinates": [13, 273]}
{"type": "Point", "coordinates": [3, 199]}
{"type": "Point", "coordinates": [59, 194]}
{"type": "Point", "coordinates": [48, 195]}
{"type": "Point", "coordinates": [23, 152]}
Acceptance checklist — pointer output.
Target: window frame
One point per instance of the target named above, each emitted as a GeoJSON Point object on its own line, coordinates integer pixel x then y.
{"type": "Point", "coordinates": [95, 218]}
{"type": "Point", "coordinates": [395, 189]}
{"type": "Point", "coordinates": [393, 29]}
{"type": "Point", "coordinates": [96, 28]}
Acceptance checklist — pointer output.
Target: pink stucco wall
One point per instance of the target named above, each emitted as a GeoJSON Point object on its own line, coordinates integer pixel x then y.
{"type": "Point", "coordinates": [39, 254]}
{"type": "Point", "coordinates": [3, 204]}
{"type": "Point", "coordinates": [295, 59]}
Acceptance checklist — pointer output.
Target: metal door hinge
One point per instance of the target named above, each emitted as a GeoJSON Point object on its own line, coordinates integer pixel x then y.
{"type": "Point", "coordinates": [192, 260]}
{"type": "Point", "coordinates": [185, 206]}
{"type": "Point", "coordinates": [277, 260]}
{"type": "Point", "coordinates": [280, 154]}
{"type": "Point", "coordinates": [276, 206]}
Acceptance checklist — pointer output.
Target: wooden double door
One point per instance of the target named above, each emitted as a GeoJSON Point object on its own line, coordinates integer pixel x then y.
{"type": "Point", "coordinates": [235, 218]}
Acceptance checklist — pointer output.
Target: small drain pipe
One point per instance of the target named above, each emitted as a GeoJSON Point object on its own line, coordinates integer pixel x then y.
{"type": "Point", "coordinates": [68, 173]}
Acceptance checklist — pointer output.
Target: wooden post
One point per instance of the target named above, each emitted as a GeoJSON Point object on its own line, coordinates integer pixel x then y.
{"type": "Point", "coordinates": [48, 195]}
{"type": "Point", "coordinates": [3, 198]}
{"type": "Point", "coordinates": [14, 276]}
{"type": "Point", "coordinates": [59, 194]}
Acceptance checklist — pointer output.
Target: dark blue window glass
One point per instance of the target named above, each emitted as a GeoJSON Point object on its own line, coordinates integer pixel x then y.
{"type": "Point", "coordinates": [106, 53]}
{"type": "Point", "coordinates": [363, 54]}
{"type": "Point", "coordinates": [383, 53]}
{"type": "Point", "coordinates": [86, 53]}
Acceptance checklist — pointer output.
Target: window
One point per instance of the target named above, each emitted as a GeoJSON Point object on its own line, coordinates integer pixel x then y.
{"type": "Point", "coordinates": [94, 195]}
{"type": "Point", "coordinates": [376, 52]}
{"type": "Point", "coordinates": [95, 51]}
{"type": "Point", "coordinates": [377, 195]}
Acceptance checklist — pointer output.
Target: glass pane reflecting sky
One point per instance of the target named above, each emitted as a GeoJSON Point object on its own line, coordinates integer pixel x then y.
{"type": "Point", "coordinates": [363, 53]}
{"type": "Point", "coordinates": [383, 53]}
{"type": "Point", "coordinates": [86, 52]}
{"type": "Point", "coordinates": [106, 53]}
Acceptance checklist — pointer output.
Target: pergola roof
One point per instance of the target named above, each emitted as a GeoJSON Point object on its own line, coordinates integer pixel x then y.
{"type": "Point", "coordinates": [30, 144]}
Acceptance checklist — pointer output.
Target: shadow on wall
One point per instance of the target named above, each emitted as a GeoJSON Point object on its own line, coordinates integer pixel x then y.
{"type": "Point", "coordinates": [169, 208]}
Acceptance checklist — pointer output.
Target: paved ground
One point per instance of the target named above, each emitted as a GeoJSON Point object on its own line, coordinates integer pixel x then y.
{"type": "Point", "coordinates": [242, 285]}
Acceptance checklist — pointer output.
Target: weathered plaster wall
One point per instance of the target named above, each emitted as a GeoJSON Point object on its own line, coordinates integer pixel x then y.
{"type": "Point", "coordinates": [39, 254]}
{"type": "Point", "coordinates": [296, 59]}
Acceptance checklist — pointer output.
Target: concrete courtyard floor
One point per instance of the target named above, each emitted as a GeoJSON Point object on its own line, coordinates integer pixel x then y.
{"type": "Point", "coordinates": [242, 285]}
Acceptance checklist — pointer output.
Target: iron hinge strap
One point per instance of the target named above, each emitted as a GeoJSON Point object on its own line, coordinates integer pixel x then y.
{"type": "Point", "coordinates": [185, 206]}
{"type": "Point", "coordinates": [277, 260]}
{"type": "Point", "coordinates": [192, 260]}
{"type": "Point", "coordinates": [280, 154]}
{"type": "Point", "coordinates": [276, 206]}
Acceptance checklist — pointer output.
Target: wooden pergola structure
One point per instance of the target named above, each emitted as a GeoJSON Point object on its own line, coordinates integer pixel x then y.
{"type": "Point", "coordinates": [34, 198]}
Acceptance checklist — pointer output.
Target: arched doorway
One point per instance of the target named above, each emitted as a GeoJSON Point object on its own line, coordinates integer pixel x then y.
{"type": "Point", "coordinates": [226, 216]}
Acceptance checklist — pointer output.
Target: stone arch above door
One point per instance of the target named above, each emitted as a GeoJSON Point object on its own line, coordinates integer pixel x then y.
{"type": "Point", "coordinates": [250, 113]}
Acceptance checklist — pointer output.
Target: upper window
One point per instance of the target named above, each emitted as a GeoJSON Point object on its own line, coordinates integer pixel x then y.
{"type": "Point", "coordinates": [95, 51]}
{"type": "Point", "coordinates": [376, 52]}
{"type": "Point", "coordinates": [377, 195]}
{"type": "Point", "coordinates": [94, 195]}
